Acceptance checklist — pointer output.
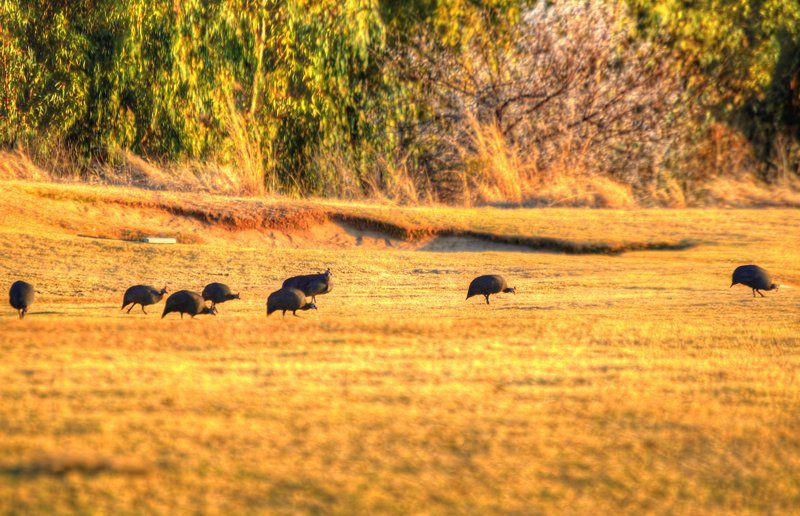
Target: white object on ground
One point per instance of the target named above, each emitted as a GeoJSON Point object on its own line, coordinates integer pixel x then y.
{"type": "Point", "coordinates": [159, 240]}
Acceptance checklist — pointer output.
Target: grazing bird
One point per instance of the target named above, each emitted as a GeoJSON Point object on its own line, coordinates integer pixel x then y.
{"type": "Point", "coordinates": [187, 302]}
{"type": "Point", "coordinates": [754, 277]}
{"type": "Point", "coordinates": [21, 297]}
{"type": "Point", "coordinates": [218, 293]}
{"type": "Point", "coordinates": [312, 285]}
{"type": "Point", "coordinates": [288, 299]}
{"type": "Point", "coordinates": [488, 285]}
{"type": "Point", "coordinates": [143, 295]}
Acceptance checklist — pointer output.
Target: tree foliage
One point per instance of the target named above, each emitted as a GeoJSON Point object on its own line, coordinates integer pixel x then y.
{"type": "Point", "coordinates": [300, 81]}
{"type": "Point", "coordinates": [596, 100]}
{"type": "Point", "coordinates": [742, 59]}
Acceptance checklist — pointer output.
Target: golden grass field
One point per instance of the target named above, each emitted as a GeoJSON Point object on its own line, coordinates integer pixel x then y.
{"type": "Point", "coordinates": [636, 382]}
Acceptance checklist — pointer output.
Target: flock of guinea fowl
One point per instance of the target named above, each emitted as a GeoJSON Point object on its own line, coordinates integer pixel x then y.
{"type": "Point", "coordinates": [295, 293]}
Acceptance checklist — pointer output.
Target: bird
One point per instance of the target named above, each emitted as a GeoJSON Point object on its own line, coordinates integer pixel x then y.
{"type": "Point", "coordinates": [288, 299]}
{"type": "Point", "coordinates": [488, 285]}
{"type": "Point", "coordinates": [754, 277]}
{"type": "Point", "coordinates": [312, 285]}
{"type": "Point", "coordinates": [143, 295]}
{"type": "Point", "coordinates": [218, 293]}
{"type": "Point", "coordinates": [187, 302]}
{"type": "Point", "coordinates": [21, 297]}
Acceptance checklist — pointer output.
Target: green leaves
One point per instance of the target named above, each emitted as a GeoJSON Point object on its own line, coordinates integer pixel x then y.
{"type": "Point", "coordinates": [315, 77]}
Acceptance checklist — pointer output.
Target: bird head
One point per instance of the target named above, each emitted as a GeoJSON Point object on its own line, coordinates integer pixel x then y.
{"type": "Point", "coordinates": [510, 290]}
{"type": "Point", "coordinates": [164, 290]}
{"type": "Point", "coordinates": [236, 296]}
{"type": "Point", "coordinates": [774, 286]}
{"type": "Point", "coordinates": [210, 310]}
{"type": "Point", "coordinates": [328, 272]}
{"type": "Point", "coordinates": [309, 306]}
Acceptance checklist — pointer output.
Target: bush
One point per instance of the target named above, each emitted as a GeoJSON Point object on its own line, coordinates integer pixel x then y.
{"type": "Point", "coordinates": [567, 91]}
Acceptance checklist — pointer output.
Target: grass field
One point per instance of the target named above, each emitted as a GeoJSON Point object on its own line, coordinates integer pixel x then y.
{"type": "Point", "coordinates": [636, 382]}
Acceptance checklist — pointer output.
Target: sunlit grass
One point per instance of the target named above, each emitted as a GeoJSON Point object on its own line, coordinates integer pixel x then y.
{"type": "Point", "coordinates": [632, 383]}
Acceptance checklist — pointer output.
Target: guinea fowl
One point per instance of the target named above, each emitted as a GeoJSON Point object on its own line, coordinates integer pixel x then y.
{"type": "Point", "coordinates": [754, 277]}
{"type": "Point", "coordinates": [20, 296]}
{"type": "Point", "coordinates": [488, 285]}
{"type": "Point", "coordinates": [288, 299]}
{"type": "Point", "coordinates": [143, 295]}
{"type": "Point", "coordinates": [218, 293]}
{"type": "Point", "coordinates": [187, 302]}
{"type": "Point", "coordinates": [312, 285]}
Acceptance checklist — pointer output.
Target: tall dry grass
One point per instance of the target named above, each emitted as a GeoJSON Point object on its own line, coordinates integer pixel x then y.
{"type": "Point", "coordinates": [246, 157]}
{"type": "Point", "coordinates": [130, 169]}
{"type": "Point", "coordinates": [377, 177]}
{"type": "Point", "coordinates": [495, 172]}
{"type": "Point", "coordinates": [243, 174]}
{"type": "Point", "coordinates": [498, 172]}
{"type": "Point", "coordinates": [16, 164]}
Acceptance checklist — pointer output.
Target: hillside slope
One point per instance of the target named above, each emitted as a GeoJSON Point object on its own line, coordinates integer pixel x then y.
{"type": "Point", "coordinates": [192, 218]}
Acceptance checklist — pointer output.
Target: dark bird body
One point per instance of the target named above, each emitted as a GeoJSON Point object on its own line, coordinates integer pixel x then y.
{"type": "Point", "coordinates": [187, 302]}
{"type": "Point", "coordinates": [21, 297]}
{"type": "Point", "coordinates": [288, 299]}
{"type": "Point", "coordinates": [488, 285]}
{"type": "Point", "coordinates": [218, 293]}
{"type": "Point", "coordinates": [754, 277]}
{"type": "Point", "coordinates": [312, 285]}
{"type": "Point", "coordinates": [143, 295]}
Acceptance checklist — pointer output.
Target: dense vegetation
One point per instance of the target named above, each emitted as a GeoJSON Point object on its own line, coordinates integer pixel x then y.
{"type": "Point", "coordinates": [448, 99]}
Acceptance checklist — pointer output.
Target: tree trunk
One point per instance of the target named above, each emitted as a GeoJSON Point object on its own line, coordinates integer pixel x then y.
{"type": "Point", "coordinates": [260, 43]}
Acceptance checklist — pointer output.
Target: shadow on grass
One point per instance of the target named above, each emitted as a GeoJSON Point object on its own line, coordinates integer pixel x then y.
{"type": "Point", "coordinates": [33, 314]}
{"type": "Point", "coordinates": [531, 243]}
{"type": "Point", "coordinates": [61, 464]}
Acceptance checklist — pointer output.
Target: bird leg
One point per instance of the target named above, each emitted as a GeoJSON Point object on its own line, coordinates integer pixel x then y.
{"type": "Point", "coordinates": [760, 293]}
{"type": "Point", "coordinates": [21, 313]}
{"type": "Point", "coordinates": [143, 310]}
{"type": "Point", "coordinates": [754, 292]}
{"type": "Point", "coordinates": [313, 299]}
{"type": "Point", "coordinates": [131, 308]}
{"type": "Point", "coordinates": [181, 315]}
{"type": "Point", "coordinates": [487, 300]}
{"type": "Point", "coordinates": [295, 314]}
{"type": "Point", "coordinates": [284, 313]}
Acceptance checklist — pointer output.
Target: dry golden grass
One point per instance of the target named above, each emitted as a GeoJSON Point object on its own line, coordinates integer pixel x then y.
{"type": "Point", "coordinates": [502, 174]}
{"type": "Point", "coordinates": [498, 176]}
{"type": "Point", "coordinates": [730, 192]}
{"type": "Point", "coordinates": [633, 383]}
